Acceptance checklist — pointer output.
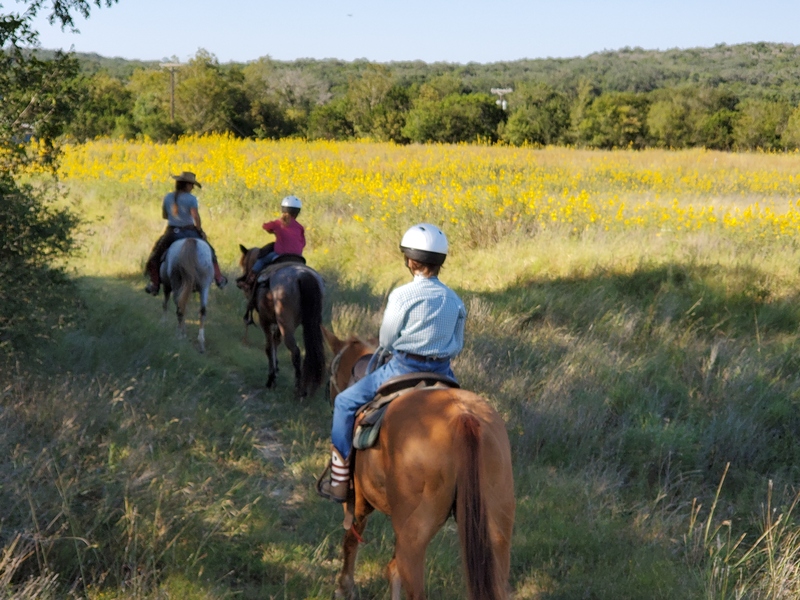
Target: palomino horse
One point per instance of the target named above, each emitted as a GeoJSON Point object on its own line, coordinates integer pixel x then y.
{"type": "Point", "coordinates": [188, 267]}
{"type": "Point", "coordinates": [291, 297]}
{"type": "Point", "coordinates": [440, 452]}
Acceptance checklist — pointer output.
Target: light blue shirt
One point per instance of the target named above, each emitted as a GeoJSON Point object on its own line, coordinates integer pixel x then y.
{"type": "Point", "coordinates": [186, 202]}
{"type": "Point", "coordinates": [424, 317]}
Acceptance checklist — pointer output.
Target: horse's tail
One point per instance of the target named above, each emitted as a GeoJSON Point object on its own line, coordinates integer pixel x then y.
{"type": "Point", "coordinates": [188, 265]}
{"type": "Point", "coordinates": [311, 317]}
{"type": "Point", "coordinates": [473, 530]}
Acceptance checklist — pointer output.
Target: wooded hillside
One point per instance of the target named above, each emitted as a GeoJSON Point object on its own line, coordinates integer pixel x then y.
{"type": "Point", "coordinates": [726, 97]}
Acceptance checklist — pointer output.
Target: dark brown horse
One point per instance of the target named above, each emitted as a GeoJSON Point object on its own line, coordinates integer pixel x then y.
{"type": "Point", "coordinates": [440, 452]}
{"type": "Point", "coordinates": [291, 298]}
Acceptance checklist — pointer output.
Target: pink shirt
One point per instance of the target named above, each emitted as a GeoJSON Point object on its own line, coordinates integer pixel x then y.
{"type": "Point", "coordinates": [289, 238]}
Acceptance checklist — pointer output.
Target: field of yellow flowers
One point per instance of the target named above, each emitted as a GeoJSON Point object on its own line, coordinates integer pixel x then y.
{"type": "Point", "coordinates": [473, 191]}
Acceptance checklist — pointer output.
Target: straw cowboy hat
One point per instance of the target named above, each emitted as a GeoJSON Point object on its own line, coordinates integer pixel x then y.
{"type": "Point", "coordinates": [188, 177]}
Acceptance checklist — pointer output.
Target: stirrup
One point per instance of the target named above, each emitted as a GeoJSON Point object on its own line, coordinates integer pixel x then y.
{"type": "Point", "coordinates": [222, 282]}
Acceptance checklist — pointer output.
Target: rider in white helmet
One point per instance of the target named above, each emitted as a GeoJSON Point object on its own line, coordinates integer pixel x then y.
{"type": "Point", "coordinates": [423, 328]}
{"type": "Point", "coordinates": [290, 238]}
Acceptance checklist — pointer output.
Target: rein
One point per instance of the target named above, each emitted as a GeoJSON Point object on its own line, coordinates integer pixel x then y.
{"type": "Point", "coordinates": [376, 361]}
{"type": "Point", "coordinates": [334, 368]}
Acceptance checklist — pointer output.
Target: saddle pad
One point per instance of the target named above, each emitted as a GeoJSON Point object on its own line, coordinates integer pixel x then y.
{"type": "Point", "coordinates": [270, 270]}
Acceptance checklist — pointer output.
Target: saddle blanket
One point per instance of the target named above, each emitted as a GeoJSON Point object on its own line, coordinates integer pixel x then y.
{"type": "Point", "coordinates": [284, 260]}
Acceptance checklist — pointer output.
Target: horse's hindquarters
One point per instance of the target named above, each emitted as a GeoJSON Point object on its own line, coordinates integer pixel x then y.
{"type": "Point", "coordinates": [418, 444]}
{"type": "Point", "coordinates": [442, 452]}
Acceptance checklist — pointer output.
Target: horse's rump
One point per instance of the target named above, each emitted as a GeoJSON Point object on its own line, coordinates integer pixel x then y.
{"type": "Point", "coordinates": [189, 262]}
{"type": "Point", "coordinates": [188, 267]}
{"type": "Point", "coordinates": [422, 437]}
{"type": "Point", "coordinates": [190, 255]}
{"type": "Point", "coordinates": [443, 452]}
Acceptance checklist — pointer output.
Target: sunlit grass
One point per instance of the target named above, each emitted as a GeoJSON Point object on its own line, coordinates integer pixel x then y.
{"type": "Point", "coordinates": [635, 345]}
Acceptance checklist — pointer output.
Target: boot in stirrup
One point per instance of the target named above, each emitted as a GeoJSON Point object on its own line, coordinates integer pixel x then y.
{"type": "Point", "coordinates": [334, 483]}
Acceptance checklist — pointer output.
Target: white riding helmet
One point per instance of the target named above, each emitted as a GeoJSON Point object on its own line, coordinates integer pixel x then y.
{"type": "Point", "coordinates": [425, 243]}
{"type": "Point", "coordinates": [291, 202]}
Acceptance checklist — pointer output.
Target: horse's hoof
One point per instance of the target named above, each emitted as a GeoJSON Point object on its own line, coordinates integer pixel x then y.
{"type": "Point", "coordinates": [340, 594]}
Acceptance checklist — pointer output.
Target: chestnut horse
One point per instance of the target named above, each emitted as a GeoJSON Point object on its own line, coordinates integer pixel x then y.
{"type": "Point", "coordinates": [292, 298]}
{"type": "Point", "coordinates": [188, 267]}
{"type": "Point", "coordinates": [440, 452]}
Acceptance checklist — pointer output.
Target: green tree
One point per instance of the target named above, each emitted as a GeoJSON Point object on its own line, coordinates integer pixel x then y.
{"type": "Point", "coordinates": [105, 109]}
{"type": "Point", "coordinates": [760, 123]}
{"type": "Point", "coordinates": [366, 94]}
{"type": "Point", "coordinates": [538, 115]}
{"type": "Point", "coordinates": [714, 118]}
{"type": "Point", "coordinates": [585, 94]}
{"type": "Point", "coordinates": [668, 123]}
{"type": "Point", "coordinates": [282, 100]}
{"type": "Point", "coordinates": [790, 138]}
{"type": "Point", "coordinates": [151, 111]}
{"type": "Point", "coordinates": [205, 100]}
{"type": "Point", "coordinates": [691, 116]}
{"type": "Point", "coordinates": [389, 116]}
{"type": "Point", "coordinates": [456, 118]}
{"type": "Point", "coordinates": [37, 98]}
{"type": "Point", "coordinates": [440, 87]}
{"type": "Point", "coordinates": [331, 122]}
{"type": "Point", "coordinates": [615, 120]}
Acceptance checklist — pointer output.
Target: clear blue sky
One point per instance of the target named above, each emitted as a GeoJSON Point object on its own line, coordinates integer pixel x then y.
{"type": "Point", "coordinates": [429, 30]}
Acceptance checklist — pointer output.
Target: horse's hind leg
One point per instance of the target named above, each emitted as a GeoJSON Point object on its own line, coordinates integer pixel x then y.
{"type": "Point", "coordinates": [201, 335]}
{"type": "Point", "coordinates": [271, 335]}
{"type": "Point", "coordinates": [167, 291]}
{"type": "Point", "coordinates": [294, 350]}
{"type": "Point", "coordinates": [414, 528]}
{"type": "Point", "coordinates": [181, 323]}
{"type": "Point", "coordinates": [406, 570]}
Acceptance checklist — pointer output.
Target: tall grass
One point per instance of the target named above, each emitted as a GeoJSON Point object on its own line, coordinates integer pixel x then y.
{"type": "Point", "coordinates": [648, 377]}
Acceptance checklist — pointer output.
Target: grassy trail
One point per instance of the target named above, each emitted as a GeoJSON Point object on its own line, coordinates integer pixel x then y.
{"type": "Point", "coordinates": [188, 479]}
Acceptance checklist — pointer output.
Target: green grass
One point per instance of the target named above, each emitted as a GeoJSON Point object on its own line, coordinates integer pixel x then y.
{"type": "Point", "coordinates": [631, 373]}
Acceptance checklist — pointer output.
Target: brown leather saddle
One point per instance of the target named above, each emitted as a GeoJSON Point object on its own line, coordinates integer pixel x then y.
{"type": "Point", "coordinates": [370, 416]}
{"type": "Point", "coordinates": [282, 261]}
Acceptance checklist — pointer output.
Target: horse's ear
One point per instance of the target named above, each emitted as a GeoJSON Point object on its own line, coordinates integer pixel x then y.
{"type": "Point", "coordinates": [243, 249]}
{"type": "Point", "coordinates": [334, 343]}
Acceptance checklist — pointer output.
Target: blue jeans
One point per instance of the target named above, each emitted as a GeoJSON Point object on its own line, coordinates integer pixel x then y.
{"type": "Point", "coordinates": [264, 261]}
{"type": "Point", "coordinates": [350, 400]}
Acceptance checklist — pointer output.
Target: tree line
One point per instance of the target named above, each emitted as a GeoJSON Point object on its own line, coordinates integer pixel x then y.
{"type": "Point", "coordinates": [727, 97]}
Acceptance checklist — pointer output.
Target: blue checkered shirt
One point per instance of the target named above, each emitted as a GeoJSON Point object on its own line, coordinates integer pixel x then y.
{"type": "Point", "coordinates": [424, 317]}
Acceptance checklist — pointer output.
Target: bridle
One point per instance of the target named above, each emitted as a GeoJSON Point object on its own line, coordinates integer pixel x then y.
{"type": "Point", "coordinates": [332, 385]}
{"type": "Point", "coordinates": [335, 367]}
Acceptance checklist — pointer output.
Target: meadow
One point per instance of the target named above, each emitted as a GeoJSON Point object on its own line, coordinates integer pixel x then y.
{"type": "Point", "coordinates": [632, 315]}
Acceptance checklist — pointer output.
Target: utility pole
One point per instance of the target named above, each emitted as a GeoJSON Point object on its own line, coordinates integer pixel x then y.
{"type": "Point", "coordinates": [501, 101]}
{"type": "Point", "coordinates": [171, 66]}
